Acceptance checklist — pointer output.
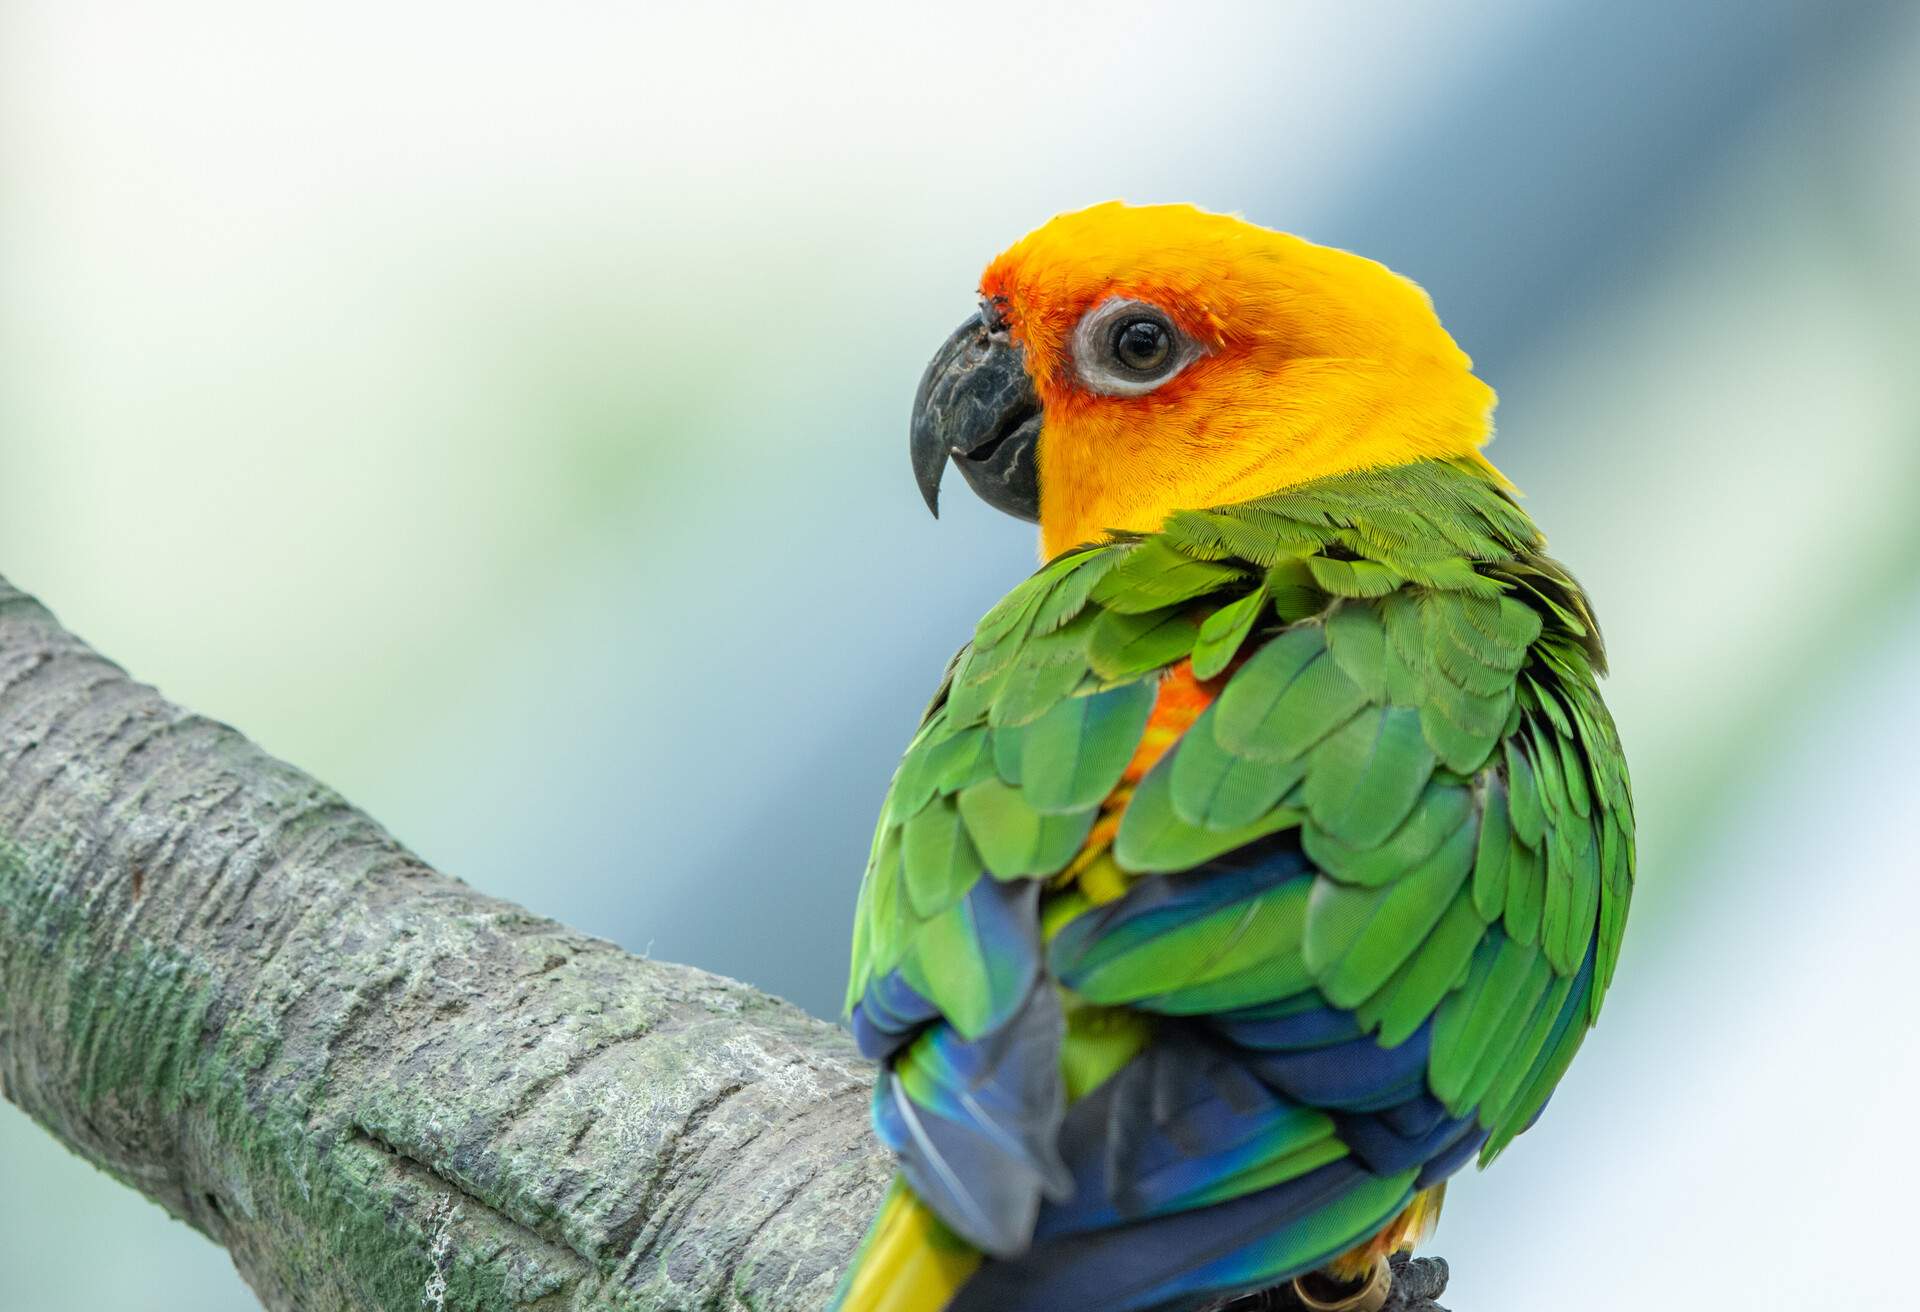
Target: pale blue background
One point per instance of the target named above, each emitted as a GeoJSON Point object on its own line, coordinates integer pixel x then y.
{"type": "Point", "coordinates": [498, 410]}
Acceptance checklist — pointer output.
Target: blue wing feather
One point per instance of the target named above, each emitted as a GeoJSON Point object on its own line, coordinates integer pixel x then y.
{"type": "Point", "coordinates": [1179, 1260]}
{"type": "Point", "coordinates": [975, 1122]}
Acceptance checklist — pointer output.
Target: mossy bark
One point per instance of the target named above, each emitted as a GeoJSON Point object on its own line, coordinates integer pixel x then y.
{"type": "Point", "coordinates": [377, 1088]}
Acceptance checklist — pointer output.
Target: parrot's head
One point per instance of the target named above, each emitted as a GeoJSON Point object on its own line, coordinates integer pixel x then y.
{"type": "Point", "coordinates": [1130, 361]}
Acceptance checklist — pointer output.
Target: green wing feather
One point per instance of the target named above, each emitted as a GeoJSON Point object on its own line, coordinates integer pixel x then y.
{"type": "Point", "coordinates": [1405, 680]}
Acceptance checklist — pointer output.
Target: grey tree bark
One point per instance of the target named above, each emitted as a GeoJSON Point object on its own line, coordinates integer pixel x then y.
{"type": "Point", "coordinates": [375, 1087]}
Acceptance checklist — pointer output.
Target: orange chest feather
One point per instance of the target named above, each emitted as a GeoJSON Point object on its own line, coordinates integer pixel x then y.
{"type": "Point", "coordinates": [1178, 703]}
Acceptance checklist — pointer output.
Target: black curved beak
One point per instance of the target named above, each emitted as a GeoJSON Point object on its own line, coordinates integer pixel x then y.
{"type": "Point", "coordinates": [977, 407]}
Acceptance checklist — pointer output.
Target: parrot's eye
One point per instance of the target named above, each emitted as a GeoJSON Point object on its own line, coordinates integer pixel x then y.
{"type": "Point", "coordinates": [1128, 348]}
{"type": "Point", "coordinates": [1142, 344]}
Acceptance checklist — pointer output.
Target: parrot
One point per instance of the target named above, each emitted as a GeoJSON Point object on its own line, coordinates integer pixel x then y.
{"type": "Point", "coordinates": [1264, 857]}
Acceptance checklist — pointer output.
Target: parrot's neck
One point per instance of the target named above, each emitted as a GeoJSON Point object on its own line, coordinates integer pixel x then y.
{"type": "Point", "coordinates": [1104, 471]}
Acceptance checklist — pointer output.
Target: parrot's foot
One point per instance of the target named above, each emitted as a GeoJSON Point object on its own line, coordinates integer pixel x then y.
{"type": "Point", "coordinates": [1410, 1284]}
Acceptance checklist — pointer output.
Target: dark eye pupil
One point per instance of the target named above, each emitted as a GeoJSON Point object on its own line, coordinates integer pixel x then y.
{"type": "Point", "coordinates": [1142, 344]}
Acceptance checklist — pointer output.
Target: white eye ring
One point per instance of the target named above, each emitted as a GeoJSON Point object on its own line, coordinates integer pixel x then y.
{"type": "Point", "coordinates": [1098, 363]}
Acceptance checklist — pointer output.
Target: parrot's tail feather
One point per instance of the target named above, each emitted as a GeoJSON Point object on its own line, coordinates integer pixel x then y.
{"type": "Point", "coordinates": [909, 1262]}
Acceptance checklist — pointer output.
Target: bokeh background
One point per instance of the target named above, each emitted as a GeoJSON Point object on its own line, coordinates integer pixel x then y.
{"type": "Point", "coordinates": [499, 410]}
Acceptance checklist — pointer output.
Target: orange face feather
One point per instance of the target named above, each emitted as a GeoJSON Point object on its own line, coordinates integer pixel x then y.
{"type": "Point", "coordinates": [1312, 361]}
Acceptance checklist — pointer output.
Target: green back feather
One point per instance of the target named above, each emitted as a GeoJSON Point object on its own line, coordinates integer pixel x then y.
{"type": "Point", "coordinates": [1408, 681]}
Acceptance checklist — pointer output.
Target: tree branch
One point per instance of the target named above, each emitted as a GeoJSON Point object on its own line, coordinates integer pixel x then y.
{"type": "Point", "coordinates": [374, 1086]}
{"type": "Point", "coordinates": [378, 1089]}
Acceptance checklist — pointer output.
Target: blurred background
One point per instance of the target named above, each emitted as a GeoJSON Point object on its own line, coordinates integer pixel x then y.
{"type": "Point", "coordinates": [499, 411]}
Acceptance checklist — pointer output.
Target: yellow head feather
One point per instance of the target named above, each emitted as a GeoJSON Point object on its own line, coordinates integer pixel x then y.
{"type": "Point", "coordinates": [1314, 361]}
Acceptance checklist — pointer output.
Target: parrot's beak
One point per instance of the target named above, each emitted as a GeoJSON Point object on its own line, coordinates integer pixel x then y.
{"type": "Point", "coordinates": [977, 407]}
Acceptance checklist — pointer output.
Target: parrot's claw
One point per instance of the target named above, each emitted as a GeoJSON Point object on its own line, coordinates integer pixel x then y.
{"type": "Point", "coordinates": [1318, 1293]}
{"type": "Point", "coordinates": [1408, 1284]}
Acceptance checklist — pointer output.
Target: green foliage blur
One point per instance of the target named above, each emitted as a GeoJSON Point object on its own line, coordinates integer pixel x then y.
{"type": "Point", "coordinates": [499, 411]}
